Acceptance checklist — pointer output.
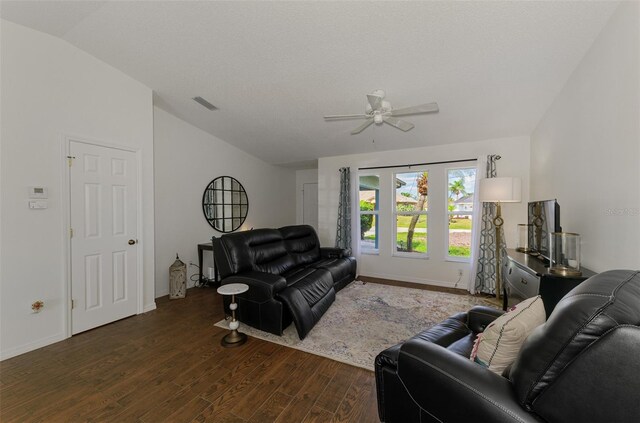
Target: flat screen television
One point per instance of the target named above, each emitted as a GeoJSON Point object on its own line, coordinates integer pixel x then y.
{"type": "Point", "coordinates": [543, 220]}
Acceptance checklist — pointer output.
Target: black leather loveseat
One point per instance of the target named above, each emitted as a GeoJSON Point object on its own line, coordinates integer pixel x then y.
{"type": "Point", "coordinates": [290, 277]}
{"type": "Point", "coordinates": [582, 365]}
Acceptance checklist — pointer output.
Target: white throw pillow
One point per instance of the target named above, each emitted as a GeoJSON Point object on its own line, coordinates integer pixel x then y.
{"type": "Point", "coordinates": [498, 346]}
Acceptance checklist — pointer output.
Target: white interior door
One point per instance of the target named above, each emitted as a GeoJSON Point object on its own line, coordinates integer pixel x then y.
{"type": "Point", "coordinates": [104, 248]}
{"type": "Point", "coordinates": [310, 204]}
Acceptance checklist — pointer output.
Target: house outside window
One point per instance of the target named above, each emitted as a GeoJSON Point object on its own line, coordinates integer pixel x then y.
{"type": "Point", "coordinates": [460, 197]}
{"type": "Point", "coordinates": [369, 202]}
{"type": "Point", "coordinates": [410, 213]}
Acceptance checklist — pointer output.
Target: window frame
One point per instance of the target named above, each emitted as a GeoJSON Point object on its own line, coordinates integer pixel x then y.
{"type": "Point", "coordinates": [395, 214]}
{"type": "Point", "coordinates": [375, 212]}
{"type": "Point", "coordinates": [447, 257]}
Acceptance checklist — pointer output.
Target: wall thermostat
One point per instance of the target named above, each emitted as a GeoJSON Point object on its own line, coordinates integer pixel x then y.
{"type": "Point", "coordinates": [38, 192]}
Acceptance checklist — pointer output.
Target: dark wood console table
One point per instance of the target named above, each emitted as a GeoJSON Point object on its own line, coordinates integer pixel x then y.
{"type": "Point", "coordinates": [526, 276]}
{"type": "Point", "coordinates": [208, 246]}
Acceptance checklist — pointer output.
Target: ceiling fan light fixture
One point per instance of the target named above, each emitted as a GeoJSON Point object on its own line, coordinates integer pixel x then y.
{"type": "Point", "coordinates": [379, 111]}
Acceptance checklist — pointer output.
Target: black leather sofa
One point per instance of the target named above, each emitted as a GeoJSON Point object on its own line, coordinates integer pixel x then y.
{"type": "Point", "coordinates": [290, 277]}
{"type": "Point", "coordinates": [582, 365]}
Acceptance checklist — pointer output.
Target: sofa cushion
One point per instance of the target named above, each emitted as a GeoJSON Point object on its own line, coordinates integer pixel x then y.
{"type": "Point", "coordinates": [296, 274]}
{"type": "Point", "coordinates": [446, 332]}
{"type": "Point", "coordinates": [308, 299]}
{"type": "Point", "coordinates": [340, 268]}
{"type": "Point", "coordinates": [260, 249]}
{"type": "Point", "coordinates": [272, 260]}
{"type": "Point", "coordinates": [464, 345]}
{"type": "Point", "coordinates": [271, 257]}
{"type": "Point", "coordinates": [301, 243]}
{"type": "Point", "coordinates": [498, 346]}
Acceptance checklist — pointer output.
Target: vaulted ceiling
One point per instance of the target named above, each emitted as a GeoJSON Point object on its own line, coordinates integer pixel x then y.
{"type": "Point", "coordinates": [275, 68]}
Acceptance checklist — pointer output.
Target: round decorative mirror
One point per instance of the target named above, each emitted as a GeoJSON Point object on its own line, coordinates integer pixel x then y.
{"type": "Point", "coordinates": [225, 204]}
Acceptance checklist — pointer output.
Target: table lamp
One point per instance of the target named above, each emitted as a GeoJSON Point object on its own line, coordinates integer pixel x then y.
{"type": "Point", "coordinates": [499, 190]}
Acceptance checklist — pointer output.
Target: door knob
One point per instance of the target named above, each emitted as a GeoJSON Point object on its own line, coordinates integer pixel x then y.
{"type": "Point", "coordinates": [132, 241]}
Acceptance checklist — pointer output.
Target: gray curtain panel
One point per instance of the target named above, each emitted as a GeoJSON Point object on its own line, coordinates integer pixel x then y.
{"type": "Point", "coordinates": [486, 273]}
{"type": "Point", "coordinates": [343, 233]}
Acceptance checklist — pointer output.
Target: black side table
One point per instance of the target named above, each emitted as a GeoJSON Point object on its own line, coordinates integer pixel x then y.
{"type": "Point", "coordinates": [209, 247]}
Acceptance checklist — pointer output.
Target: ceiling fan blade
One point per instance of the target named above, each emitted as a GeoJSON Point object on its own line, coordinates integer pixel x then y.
{"type": "Point", "coordinates": [362, 127]}
{"type": "Point", "coordinates": [338, 117]}
{"type": "Point", "coordinates": [423, 108]}
{"type": "Point", "coordinates": [375, 101]}
{"type": "Point", "coordinates": [400, 124]}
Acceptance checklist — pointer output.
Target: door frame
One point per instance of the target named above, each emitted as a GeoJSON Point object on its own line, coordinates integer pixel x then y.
{"type": "Point", "coordinates": [302, 217]}
{"type": "Point", "coordinates": [65, 204]}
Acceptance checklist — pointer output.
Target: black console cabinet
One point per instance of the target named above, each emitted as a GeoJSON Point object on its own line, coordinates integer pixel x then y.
{"type": "Point", "coordinates": [526, 276]}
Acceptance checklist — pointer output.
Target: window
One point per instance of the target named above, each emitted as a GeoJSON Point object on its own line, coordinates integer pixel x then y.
{"type": "Point", "coordinates": [460, 191]}
{"type": "Point", "coordinates": [410, 212]}
{"type": "Point", "coordinates": [369, 193]}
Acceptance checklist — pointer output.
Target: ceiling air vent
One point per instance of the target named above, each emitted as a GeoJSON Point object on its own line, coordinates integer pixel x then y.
{"type": "Point", "coordinates": [204, 103]}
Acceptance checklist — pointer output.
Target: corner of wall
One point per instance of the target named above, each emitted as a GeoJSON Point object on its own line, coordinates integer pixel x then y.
{"type": "Point", "coordinates": [149, 307]}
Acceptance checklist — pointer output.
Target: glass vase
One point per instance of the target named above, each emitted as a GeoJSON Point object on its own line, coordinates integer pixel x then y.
{"type": "Point", "coordinates": [565, 254]}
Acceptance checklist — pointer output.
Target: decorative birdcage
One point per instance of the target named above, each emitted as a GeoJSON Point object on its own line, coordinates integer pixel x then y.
{"type": "Point", "coordinates": [177, 279]}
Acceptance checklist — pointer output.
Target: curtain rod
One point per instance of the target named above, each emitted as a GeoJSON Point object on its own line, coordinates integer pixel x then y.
{"type": "Point", "coordinates": [418, 164]}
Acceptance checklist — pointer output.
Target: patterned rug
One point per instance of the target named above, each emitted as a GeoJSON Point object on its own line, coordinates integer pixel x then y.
{"type": "Point", "coordinates": [368, 318]}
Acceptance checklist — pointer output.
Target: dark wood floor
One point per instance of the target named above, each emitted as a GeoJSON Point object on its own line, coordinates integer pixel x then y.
{"type": "Point", "coordinates": [168, 365]}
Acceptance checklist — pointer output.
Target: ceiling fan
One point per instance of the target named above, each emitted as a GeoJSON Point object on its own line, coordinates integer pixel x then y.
{"type": "Point", "coordinates": [379, 111]}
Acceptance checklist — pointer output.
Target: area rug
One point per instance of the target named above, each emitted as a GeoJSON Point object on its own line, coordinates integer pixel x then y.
{"type": "Point", "coordinates": [367, 318]}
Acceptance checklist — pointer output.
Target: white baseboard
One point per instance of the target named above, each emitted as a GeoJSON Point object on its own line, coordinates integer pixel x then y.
{"type": "Point", "coordinates": [422, 281]}
{"type": "Point", "coordinates": [12, 352]}
{"type": "Point", "coordinates": [149, 307]}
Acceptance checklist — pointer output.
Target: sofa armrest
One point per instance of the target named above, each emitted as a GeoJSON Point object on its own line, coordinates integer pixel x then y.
{"type": "Point", "coordinates": [453, 388]}
{"type": "Point", "coordinates": [334, 252]}
{"type": "Point", "coordinates": [480, 316]}
{"type": "Point", "coordinates": [262, 286]}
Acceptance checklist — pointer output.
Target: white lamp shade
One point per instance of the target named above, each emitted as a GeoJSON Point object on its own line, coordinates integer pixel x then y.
{"type": "Point", "coordinates": [503, 190]}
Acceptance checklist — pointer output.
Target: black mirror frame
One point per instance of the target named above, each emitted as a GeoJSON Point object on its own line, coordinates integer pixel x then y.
{"type": "Point", "coordinates": [211, 221]}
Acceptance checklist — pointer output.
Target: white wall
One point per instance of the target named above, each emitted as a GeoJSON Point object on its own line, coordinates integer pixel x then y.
{"type": "Point", "coordinates": [51, 89]}
{"type": "Point", "coordinates": [303, 176]}
{"type": "Point", "coordinates": [586, 150]}
{"type": "Point", "coordinates": [186, 160]}
{"type": "Point", "coordinates": [435, 270]}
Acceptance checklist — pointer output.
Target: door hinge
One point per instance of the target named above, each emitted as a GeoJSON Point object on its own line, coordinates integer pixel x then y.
{"type": "Point", "coordinates": [70, 160]}
{"type": "Point", "coordinates": [70, 232]}
{"type": "Point", "coordinates": [73, 304]}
